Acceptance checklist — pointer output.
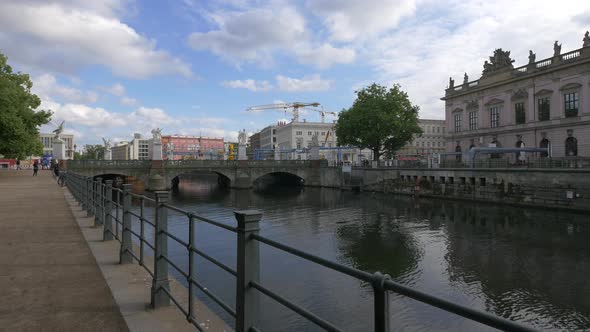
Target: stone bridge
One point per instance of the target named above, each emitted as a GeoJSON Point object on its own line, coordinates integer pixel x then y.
{"type": "Point", "coordinates": [161, 174]}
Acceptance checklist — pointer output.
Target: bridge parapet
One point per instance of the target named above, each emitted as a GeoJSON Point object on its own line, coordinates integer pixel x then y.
{"type": "Point", "coordinates": [111, 164]}
{"type": "Point", "coordinates": [236, 163]}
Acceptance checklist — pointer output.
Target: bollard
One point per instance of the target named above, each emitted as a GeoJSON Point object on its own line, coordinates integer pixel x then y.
{"type": "Point", "coordinates": [159, 298]}
{"type": "Point", "coordinates": [248, 269]}
{"type": "Point", "coordinates": [108, 215]}
{"type": "Point", "coordinates": [98, 202]}
{"type": "Point", "coordinates": [126, 244]}
{"type": "Point", "coordinates": [381, 302]}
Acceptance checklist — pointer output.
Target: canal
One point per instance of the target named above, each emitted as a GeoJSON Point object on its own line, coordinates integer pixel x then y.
{"type": "Point", "coordinates": [528, 265]}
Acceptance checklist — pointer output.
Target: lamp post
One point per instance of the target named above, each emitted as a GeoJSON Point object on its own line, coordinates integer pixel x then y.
{"type": "Point", "coordinates": [74, 156]}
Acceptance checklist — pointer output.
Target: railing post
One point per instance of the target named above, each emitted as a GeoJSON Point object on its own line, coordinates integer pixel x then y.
{"type": "Point", "coordinates": [98, 202]}
{"type": "Point", "coordinates": [381, 305]}
{"type": "Point", "coordinates": [248, 269]}
{"type": "Point", "coordinates": [126, 244]}
{"type": "Point", "coordinates": [159, 298]}
{"type": "Point", "coordinates": [89, 185]}
{"type": "Point", "coordinates": [108, 214]}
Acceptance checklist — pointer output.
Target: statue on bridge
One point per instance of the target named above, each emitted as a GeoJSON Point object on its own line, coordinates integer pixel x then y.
{"type": "Point", "coordinates": [58, 131]}
{"type": "Point", "coordinates": [107, 149]}
{"type": "Point", "coordinates": [242, 137]}
{"type": "Point", "coordinates": [107, 143]}
{"type": "Point", "coordinates": [157, 134]}
{"type": "Point", "coordinates": [315, 140]}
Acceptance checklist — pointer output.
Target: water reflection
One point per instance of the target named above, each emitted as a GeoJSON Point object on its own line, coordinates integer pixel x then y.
{"type": "Point", "coordinates": [524, 264]}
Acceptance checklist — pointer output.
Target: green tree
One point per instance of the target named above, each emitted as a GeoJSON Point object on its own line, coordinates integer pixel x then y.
{"type": "Point", "coordinates": [19, 122]}
{"type": "Point", "coordinates": [93, 152]}
{"type": "Point", "coordinates": [380, 119]}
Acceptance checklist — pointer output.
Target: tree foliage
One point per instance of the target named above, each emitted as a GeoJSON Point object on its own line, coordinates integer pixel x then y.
{"type": "Point", "coordinates": [93, 152]}
{"type": "Point", "coordinates": [19, 122]}
{"type": "Point", "coordinates": [380, 119]}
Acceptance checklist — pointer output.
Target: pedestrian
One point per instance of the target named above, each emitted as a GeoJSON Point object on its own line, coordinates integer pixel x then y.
{"type": "Point", "coordinates": [35, 168]}
{"type": "Point", "coordinates": [56, 170]}
{"type": "Point", "coordinates": [18, 164]}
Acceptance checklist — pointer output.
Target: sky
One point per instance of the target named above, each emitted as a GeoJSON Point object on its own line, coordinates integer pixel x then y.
{"type": "Point", "coordinates": [192, 67]}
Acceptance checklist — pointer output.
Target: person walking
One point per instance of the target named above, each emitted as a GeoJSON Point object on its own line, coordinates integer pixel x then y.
{"type": "Point", "coordinates": [35, 168]}
{"type": "Point", "coordinates": [18, 164]}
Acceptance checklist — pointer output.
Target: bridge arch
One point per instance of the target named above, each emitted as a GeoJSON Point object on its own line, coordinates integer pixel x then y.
{"type": "Point", "coordinates": [223, 179]}
{"type": "Point", "coordinates": [280, 177]}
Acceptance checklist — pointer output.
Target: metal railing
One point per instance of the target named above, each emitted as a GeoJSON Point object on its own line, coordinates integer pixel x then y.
{"type": "Point", "coordinates": [97, 198]}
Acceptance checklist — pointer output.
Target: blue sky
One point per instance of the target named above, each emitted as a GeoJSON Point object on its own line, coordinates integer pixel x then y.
{"type": "Point", "coordinates": [114, 67]}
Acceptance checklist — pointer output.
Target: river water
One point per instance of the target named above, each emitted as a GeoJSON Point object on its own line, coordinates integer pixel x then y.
{"type": "Point", "coordinates": [528, 265]}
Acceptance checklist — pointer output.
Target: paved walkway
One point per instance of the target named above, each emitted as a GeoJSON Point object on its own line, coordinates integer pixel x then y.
{"type": "Point", "coordinates": [49, 279]}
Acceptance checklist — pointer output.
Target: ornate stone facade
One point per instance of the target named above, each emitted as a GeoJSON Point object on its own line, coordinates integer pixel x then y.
{"type": "Point", "coordinates": [544, 103]}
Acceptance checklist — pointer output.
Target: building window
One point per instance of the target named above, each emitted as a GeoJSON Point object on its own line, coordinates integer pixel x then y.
{"type": "Point", "coordinates": [457, 122]}
{"type": "Point", "coordinates": [323, 134]}
{"type": "Point", "coordinates": [495, 117]}
{"type": "Point", "coordinates": [298, 145]}
{"type": "Point", "coordinates": [473, 120]}
{"type": "Point", "coordinates": [299, 133]}
{"type": "Point", "coordinates": [438, 129]}
{"type": "Point", "coordinates": [544, 111]}
{"type": "Point", "coordinates": [309, 133]}
{"type": "Point", "coordinates": [519, 113]}
{"type": "Point", "coordinates": [572, 102]}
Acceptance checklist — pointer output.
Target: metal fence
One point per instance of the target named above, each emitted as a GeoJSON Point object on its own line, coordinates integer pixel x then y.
{"type": "Point", "coordinates": [114, 213]}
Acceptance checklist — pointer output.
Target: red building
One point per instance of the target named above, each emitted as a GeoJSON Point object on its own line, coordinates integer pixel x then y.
{"type": "Point", "coordinates": [191, 147]}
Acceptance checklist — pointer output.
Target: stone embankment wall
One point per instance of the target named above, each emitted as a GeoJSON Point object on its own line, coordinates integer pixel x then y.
{"type": "Point", "coordinates": [569, 189]}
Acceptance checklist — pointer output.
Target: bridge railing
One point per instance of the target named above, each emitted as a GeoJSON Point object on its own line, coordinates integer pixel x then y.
{"type": "Point", "coordinates": [77, 164]}
{"type": "Point", "coordinates": [97, 198]}
{"type": "Point", "coordinates": [235, 163]}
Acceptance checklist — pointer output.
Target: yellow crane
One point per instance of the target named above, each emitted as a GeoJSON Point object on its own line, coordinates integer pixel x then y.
{"type": "Point", "coordinates": [293, 107]}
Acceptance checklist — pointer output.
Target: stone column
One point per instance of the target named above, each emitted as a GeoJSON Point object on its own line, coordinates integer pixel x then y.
{"type": "Point", "coordinates": [314, 153]}
{"type": "Point", "coordinates": [108, 154]}
{"type": "Point", "coordinates": [277, 152]}
{"type": "Point", "coordinates": [156, 149]}
{"type": "Point", "coordinates": [242, 152]}
{"type": "Point", "coordinates": [59, 149]}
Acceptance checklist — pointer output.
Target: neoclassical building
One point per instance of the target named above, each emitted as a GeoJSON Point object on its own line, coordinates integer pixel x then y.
{"type": "Point", "coordinates": [544, 103]}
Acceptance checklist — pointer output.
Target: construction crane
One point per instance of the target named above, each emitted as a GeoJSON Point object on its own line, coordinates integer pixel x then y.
{"type": "Point", "coordinates": [294, 107]}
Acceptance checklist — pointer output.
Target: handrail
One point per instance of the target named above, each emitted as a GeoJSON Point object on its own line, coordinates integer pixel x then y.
{"type": "Point", "coordinates": [247, 239]}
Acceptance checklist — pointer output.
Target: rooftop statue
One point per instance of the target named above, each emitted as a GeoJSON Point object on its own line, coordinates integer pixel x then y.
{"type": "Point", "coordinates": [465, 78]}
{"type": "Point", "coordinates": [556, 49]}
{"type": "Point", "coordinates": [532, 57]}
{"type": "Point", "coordinates": [499, 61]}
{"type": "Point", "coordinates": [451, 83]}
{"type": "Point", "coordinates": [586, 39]}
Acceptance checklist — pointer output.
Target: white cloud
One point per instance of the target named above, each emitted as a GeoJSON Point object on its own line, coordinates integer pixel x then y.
{"type": "Point", "coordinates": [348, 20]}
{"type": "Point", "coordinates": [63, 35]}
{"type": "Point", "coordinates": [117, 89]}
{"type": "Point", "coordinates": [307, 83]}
{"type": "Point", "coordinates": [127, 101]}
{"type": "Point", "coordinates": [250, 35]}
{"type": "Point", "coordinates": [46, 85]}
{"type": "Point", "coordinates": [249, 84]}
{"type": "Point", "coordinates": [325, 55]}
{"type": "Point", "coordinates": [283, 83]}
{"type": "Point", "coordinates": [257, 34]}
